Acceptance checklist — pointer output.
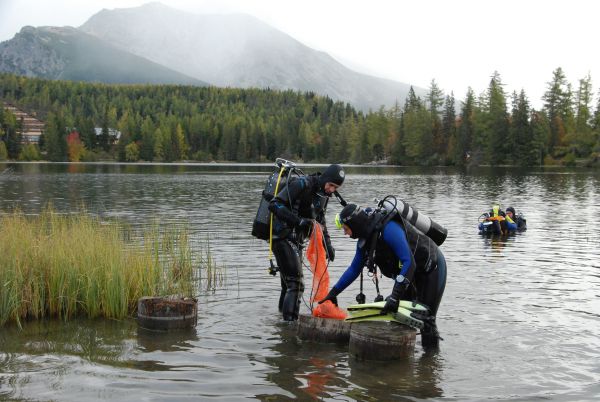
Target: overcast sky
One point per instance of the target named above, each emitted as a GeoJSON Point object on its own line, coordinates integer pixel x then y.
{"type": "Point", "coordinates": [459, 43]}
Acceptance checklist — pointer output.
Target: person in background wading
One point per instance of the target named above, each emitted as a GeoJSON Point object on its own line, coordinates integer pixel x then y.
{"type": "Point", "coordinates": [402, 253]}
{"type": "Point", "coordinates": [303, 200]}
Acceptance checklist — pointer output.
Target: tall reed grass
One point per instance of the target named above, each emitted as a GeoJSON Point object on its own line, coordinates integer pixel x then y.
{"type": "Point", "coordinates": [55, 265]}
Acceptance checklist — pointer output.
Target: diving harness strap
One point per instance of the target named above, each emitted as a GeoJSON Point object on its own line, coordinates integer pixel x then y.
{"type": "Point", "coordinates": [378, 225]}
{"type": "Point", "coordinates": [272, 267]}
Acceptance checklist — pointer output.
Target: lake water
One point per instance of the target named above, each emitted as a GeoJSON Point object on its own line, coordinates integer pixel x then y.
{"type": "Point", "coordinates": [520, 315]}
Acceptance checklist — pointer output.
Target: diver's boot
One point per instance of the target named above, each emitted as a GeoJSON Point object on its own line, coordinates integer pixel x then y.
{"type": "Point", "coordinates": [291, 301]}
{"type": "Point", "coordinates": [430, 337]}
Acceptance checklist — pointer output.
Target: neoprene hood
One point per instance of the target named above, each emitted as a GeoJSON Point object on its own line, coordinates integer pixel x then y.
{"type": "Point", "coordinates": [334, 174]}
{"type": "Point", "coordinates": [357, 220]}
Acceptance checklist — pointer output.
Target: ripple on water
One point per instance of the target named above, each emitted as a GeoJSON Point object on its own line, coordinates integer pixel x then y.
{"type": "Point", "coordinates": [520, 314]}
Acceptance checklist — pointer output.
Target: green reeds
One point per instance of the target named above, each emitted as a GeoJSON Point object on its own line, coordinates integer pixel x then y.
{"type": "Point", "coordinates": [63, 266]}
{"type": "Point", "coordinates": [215, 274]}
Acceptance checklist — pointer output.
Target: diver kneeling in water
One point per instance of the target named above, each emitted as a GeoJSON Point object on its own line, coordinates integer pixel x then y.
{"type": "Point", "coordinates": [402, 253]}
{"type": "Point", "coordinates": [301, 201]}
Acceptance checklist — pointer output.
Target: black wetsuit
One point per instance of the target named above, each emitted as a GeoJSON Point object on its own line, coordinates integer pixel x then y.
{"type": "Point", "coordinates": [399, 248]}
{"type": "Point", "coordinates": [428, 274]}
{"type": "Point", "coordinates": [302, 197]}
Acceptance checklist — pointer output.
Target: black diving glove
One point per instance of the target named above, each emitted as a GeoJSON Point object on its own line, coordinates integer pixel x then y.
{"type": "Point", "coordinates": [393, 301]}
{"type": "Point", "coordinates": [332, 295]}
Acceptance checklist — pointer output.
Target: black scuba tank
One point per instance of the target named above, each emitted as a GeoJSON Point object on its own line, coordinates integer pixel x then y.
{"type": "Point", "coordinates": [425, 224]}
{"type": "Point", "coordinates": [262, 221]}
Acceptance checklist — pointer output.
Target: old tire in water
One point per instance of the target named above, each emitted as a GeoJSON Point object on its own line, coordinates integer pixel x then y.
{"type": "Point", "coordinates": [167, 313]}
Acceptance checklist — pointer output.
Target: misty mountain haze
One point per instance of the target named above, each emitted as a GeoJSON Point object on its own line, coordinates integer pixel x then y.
{"type": "Point", "coordinates": [238, 51]}
{"type": "Point", "coordinates": [157, 44]}
{"type": "Point", "coordinates": [69, 54]}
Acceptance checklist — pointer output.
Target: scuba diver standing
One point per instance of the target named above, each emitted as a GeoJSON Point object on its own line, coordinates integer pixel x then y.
{"type": "Point", "coordinates": [401, 252]}
{"type": "Point", "coordinates": [301, 201]}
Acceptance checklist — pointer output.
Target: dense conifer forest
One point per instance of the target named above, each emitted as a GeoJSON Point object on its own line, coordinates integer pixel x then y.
{"type": "Point", "coordinates": [174, 123]}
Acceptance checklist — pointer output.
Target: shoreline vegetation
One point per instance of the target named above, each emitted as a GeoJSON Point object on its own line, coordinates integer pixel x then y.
{"type": "Point", "coordinates": [168, 123]}
{"type": "Point", "coordinates": [577, 163]}
{"type": "Point", "coordinates": [77, 265]}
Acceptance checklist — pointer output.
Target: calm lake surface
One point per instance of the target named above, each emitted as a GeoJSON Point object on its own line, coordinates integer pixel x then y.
{"type": "Point", "coordinates": [520, 316]}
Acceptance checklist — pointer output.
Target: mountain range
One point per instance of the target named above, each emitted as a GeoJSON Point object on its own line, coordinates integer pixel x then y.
{"type": "Point", "coordinates": [71, 54]}
{"type": "Point", "coordinates": [154, 43]}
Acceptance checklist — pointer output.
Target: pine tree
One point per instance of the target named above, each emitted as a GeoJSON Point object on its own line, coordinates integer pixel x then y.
{"type": "Point", "coordinates": [541, 134]}
{"type": "Point", "coordinates": [525, 149]}
{"type": "Point", "coordinates": [160, 140]}
{"type": "Point", "coordinates": [56, 138]}
{"type": "Point", "coordinates": [104, 139]}
{"type": "Point", "coordinates": [558, 108]}
{"type": "Point", "coordinates": [178, 143]}
{"type": "Point", "coordinates": [435, 99]}
{"type": "Point", "coordinates": [448, 130]}
{"type": "Point", "coordinates": [583, 139]}
{"type": "Point", "coordinates": [378, 129]}
{"type": "Point", "coordinates": [12, 134]}
{"type": "Point", "coordinates": [466, 129]}
{"type": "Point", "coordinates": [497, 122]}
{"type": "Point", "coordinates": [148, 140]}
{"type": "Point", "coordinates": [3, 151]}
{"type": "Point", "coordinates": [596, 128]}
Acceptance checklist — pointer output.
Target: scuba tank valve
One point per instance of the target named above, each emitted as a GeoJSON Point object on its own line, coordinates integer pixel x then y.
{"type": "Point", "coordinates": [280, 162]}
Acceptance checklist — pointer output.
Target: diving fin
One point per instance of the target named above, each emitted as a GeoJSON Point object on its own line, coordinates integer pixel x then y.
{"type": "Point", "coordinates": [407, 304]}
{"type": "Point", "coordinates": [354, 314]}
{"type": "Point", "coordinates": [403, 316]}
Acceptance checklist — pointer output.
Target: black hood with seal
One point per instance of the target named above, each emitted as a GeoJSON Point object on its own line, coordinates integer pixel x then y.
{"type": "Point", "coordinates": [333, 174]}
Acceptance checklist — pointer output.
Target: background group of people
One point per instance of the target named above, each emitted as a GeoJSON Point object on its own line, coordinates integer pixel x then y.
{"type": "Point", "coordinates": [497, 221]}
{"type": "Point", "coordinates": [399, 250]}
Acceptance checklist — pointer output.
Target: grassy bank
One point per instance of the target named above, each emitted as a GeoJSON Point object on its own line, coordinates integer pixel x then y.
{"type": "Point", "coordinates": [63, 266]}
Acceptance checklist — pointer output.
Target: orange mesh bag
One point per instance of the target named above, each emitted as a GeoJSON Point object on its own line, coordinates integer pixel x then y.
{"type": "Point", "coordinates": [317, 258]}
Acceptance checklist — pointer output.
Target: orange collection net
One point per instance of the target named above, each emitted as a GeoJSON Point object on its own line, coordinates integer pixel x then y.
{"type": "Point", "coordinates": [315, 253]}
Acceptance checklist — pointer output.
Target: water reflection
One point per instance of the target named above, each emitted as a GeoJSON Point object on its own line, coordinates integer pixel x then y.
{"type": "Point", "coordinates": [100, 341]}
{"type": "Point", "coordinates": [166, 341]}
{"type": "Point", "coordinates": [305, 370]}
{"type": "Point", "coordinates": [149, 341]}
{"type": "Point", "coordinates": [315, 371]}
{"type": "Point", "coordinates": [498, 243]}
{"type": "Point", "coordinates": [519, 316]}
{"type": "Point", "coordinates": [416, 378]}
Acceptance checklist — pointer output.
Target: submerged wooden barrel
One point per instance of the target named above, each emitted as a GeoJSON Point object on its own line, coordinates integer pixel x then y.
{"type": "Point", "coordinates": [379, 340]}
{"type": "Point", "coordinates": [167, 313]}
{"type": "Point", "coordinates": [323, 329]}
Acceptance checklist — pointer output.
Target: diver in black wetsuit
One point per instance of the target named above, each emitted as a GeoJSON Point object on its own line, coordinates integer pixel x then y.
{"type": "Point", "coordinates": [301, 201]}
{"type": "Point", "coordinates": [401, 252]}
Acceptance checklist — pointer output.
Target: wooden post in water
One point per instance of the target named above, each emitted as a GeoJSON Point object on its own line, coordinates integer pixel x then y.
{"type": "Point", "coordinates": [381, 340]}
{"type": "Point", "coordinates": [166, 313]}
{"type": "Point", "coordinates": [323, 329]}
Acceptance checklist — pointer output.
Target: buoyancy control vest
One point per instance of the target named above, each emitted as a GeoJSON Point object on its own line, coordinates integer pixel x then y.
{"type": "Point", "coordinates": [422, 233]}
{"type": "Point", "coordinates": [300, 198]}
{"type": "Point", "coordinates": [261, 227]}
{"type": "Point", "coordinates": [422, 247]}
